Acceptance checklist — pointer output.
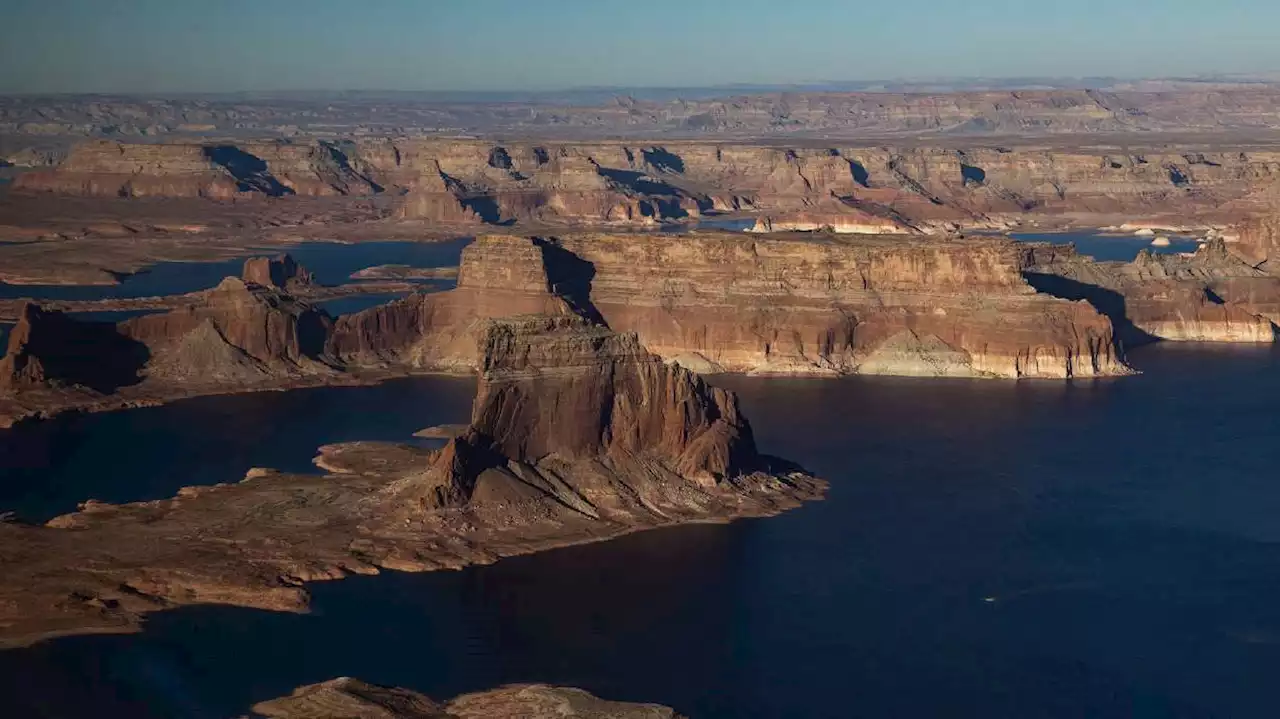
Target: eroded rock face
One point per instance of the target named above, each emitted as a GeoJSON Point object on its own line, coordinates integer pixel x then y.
{"type": "Point", "coordinates": [347, 698]}
{"type": "Point", "coordinates": [499, 276]}
{"type": "Point", "coordinates": [561, 387]}
{"type": "Point", "coordinates": [917, 187]}
{"type": "Point", "coordinates": [281, 272]}
{"type": "Point", "coordinates": [796, 305]}
{"type": "Point", "coordinates": [235, 332]}
{"type": "Point", "coordinates": [51, 350]}
{"type": "Point", "coordinates": [1211, 296]}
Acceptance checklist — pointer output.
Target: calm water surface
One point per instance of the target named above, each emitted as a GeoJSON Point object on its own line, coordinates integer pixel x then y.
{"type": "Point", "coordinates": [48, 468]}
{"type": "Point", "coordinates": [1110, 247]}
{"type": "Point", "coordinates": [332, 264]}
{"type": "Point", "coordinates": [988, 549]}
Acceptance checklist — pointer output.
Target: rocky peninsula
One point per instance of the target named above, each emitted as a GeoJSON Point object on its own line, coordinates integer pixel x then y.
{"type": "Point", "coordinates": [577, 434]}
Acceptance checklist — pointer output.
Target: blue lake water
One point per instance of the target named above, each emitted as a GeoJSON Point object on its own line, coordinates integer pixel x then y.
{"type": "Point", "coordinates": [47, 468]}
{"type": "Point", "coordinates": [989, 549]}
{"type": "Point", "coordinates": [357, 303]}
{"type": "Point", "coordinates": [331, 263]}
{"type": "Point", "coordinates": [1121, 248]}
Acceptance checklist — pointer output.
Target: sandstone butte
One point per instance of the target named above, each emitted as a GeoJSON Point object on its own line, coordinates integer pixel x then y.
{"type": "Point", "coordinates": [857, 189]}
{"type": "Point", "coordinates": [346, 698]}
{"type": "Point", "coordinates": [577, 434]}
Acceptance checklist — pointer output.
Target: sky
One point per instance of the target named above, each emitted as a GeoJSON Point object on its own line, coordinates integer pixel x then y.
{"type": "Point", "coordinates": [49, 46]}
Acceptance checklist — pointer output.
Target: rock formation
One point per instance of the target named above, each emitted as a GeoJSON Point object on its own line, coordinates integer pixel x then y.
{"type": "Point", "coordinates": [578, 435]}
{"type": "Point", "coordinates": [823, 305]}
{"type": "Point", "coordinates": [48, 350]}
{"type": "Point", "coordinates": [236, 332]}
{"type": "Point", "coordinates": [346, 698]}
{"type": "Point", "coordinates": [1211, 296]}
{"type": "Point", "coordinates": [498, 277]}
{"type": "Point", "coordinates": [932, 188]}
{"type": "Point", "coordinates": [281, 272]}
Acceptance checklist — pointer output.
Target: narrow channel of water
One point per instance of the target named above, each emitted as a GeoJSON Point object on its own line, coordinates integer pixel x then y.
{"type": "Point", "coordinates": [331, 263]}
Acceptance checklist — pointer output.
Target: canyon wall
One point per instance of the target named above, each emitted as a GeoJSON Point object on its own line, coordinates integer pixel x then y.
{"type": "Point", "coordinates": [864, 189]}
{"type": "Point", "coordinates": [1210, 296]}
{"type": "Point", "coordinates": [800, 305]}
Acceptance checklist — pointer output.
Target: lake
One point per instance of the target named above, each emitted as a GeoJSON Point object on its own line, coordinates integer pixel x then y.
{"type": "Point", "coordinates": [331, 263]}
{"type": "Point", "coordinates": [991, 549]}
{"type": "Point", "coordinates": [1122, 248]}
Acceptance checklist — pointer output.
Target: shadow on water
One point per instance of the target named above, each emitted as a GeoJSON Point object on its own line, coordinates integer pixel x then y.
{"type": "Point", "coordinates": [1048, 549]}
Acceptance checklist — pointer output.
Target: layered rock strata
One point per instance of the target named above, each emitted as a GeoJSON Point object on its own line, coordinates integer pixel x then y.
{"type": "Point", "coordinates": [919, 187]}
{"type": "Point", "coordinates": [1210, 296]}
{"type": "Point", "coordinates": [722, 302]}
{"type": "Point", "coordinates": [346, 698]}
{"type": "Point", "coordinates": [237, 332]}
{"type": "Point", "coordinates": [234, 337]}
{"type": "Point", "coordinates": [578, 435]}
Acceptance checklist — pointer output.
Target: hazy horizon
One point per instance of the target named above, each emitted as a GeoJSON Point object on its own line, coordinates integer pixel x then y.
{"type": "Point", "coordinates": [507, 46]}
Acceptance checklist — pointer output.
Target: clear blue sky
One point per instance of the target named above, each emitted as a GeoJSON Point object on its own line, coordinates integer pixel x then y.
{"type": "Point", "coordinates": [221, 45]}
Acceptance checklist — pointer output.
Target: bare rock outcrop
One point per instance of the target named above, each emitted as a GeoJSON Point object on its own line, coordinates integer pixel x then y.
{"type": "Point", "coordinates": [233, 332]}
{"type": "Point", "coordinates": [608, 398]}
{"type": "Point", "coordinates": [49, 350]}
{"type": "Point", "coordinates": [770, 304]}
{"type": "Point", "coordinates": [499, 276]}
{"type": "Point", "coordinates": [346, 698]}
{"type": "Point", "coordinates": [281, 272]}
{"type": "Point", "coordinates": [934, 188]}
{"type": "Point", "coordinates": [824, 305]}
